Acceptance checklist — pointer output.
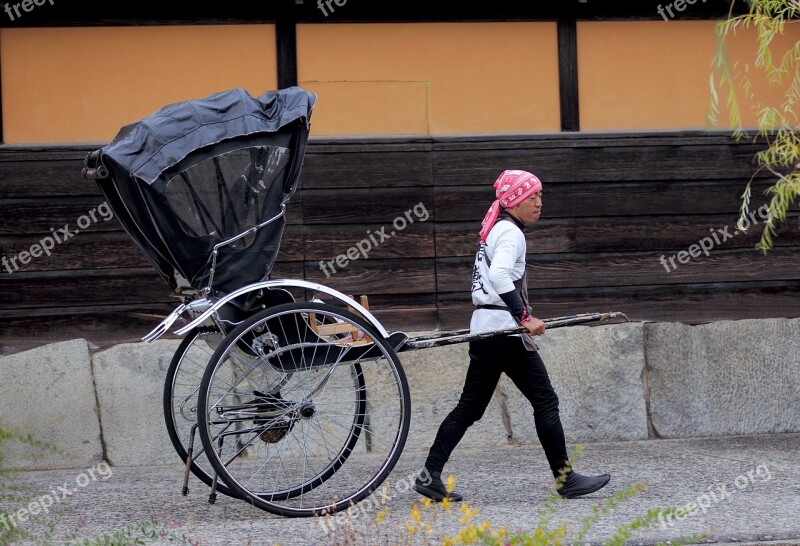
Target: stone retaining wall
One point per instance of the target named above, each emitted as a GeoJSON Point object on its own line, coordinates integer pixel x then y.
{"type": "Point", "coordinates": [615, 382]}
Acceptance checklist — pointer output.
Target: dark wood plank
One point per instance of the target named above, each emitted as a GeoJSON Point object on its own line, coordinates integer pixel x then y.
{"type": "Point", "coordinates": [372, 241]}
{"type": "Point", "coordinates": [107, 250]}
{"type": "Point", "coordinates": [457, 160]}
{"type": "Point", "coordinates": [51, 289]}
{"type": "Point", "coordinates": [470, 203]}
{"type": "Point", "coordinates": [47, 152]}
{"type": "Point", "coordinates": [585, 139]}
{"type": "Point", "coordinates": [38, 216]}
{"type": "Point", "coordinates": [634, 269]}
{"type": "Point", "coordinates": [83, 287]}
{"type": "Point", "coordinates": [465, 164]}
{"type": "Point", "coordinates": [435, 143]}
{"type": "Point", "coordinates": [287, 270]}
{"type": "Point", "coordinates": [45, 178]}
{"type": "Point", "coordinates": [89, 250]}
{"type": "Point", "coordinates": [377, 276]}
{"type": "Point", "coordinates": [367, 206]}
{"type": "Point", "coordinates": [378, 168]}
{"type": "Point", "coordinates": [100, 326]}
{"type": "Point", "coordinates": [674, 233]}
{"type": "Point", "coordinates": [369, 145]}
{"type": "Point", "coordinates": [620, 233]}
{"type": "Point", "coordinates": [547, 236]}
{"type": "Point", "coordinates": [293, 244]}
{"type": "Point", "coordinates": [691, 304]}
{"type": "Point", "coordinates": [294, 208]}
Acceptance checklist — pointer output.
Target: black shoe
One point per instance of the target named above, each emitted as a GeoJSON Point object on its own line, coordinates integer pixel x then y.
{"type": "Point", "coordinates": [577, 485]}
{"type": "Point", "coordinates": [430, 485]}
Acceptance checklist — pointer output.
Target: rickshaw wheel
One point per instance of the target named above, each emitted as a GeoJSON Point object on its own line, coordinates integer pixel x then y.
{"type": "Point", "coordinates": [180, 399]}
{"type": "Point", "coordinates": [319, 442]}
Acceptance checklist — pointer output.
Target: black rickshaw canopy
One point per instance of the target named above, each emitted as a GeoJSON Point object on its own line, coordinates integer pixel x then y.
{"type": "Point", "coordinates": [206, 174]}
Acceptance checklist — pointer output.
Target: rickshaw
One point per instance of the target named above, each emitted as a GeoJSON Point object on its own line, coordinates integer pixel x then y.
{"type": "Point", "coordinates": [301, 405]}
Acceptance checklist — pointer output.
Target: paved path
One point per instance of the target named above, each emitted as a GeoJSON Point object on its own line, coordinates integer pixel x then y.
{"type": "Point", "coordinates": [749, 489]}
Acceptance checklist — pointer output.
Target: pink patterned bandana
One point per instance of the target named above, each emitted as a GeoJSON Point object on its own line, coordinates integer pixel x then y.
{"type": "Point", "coordinates": [511, 188]}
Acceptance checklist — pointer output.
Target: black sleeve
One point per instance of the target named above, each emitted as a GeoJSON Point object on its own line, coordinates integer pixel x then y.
{"type": "Point", "coordinates": [514, 302]}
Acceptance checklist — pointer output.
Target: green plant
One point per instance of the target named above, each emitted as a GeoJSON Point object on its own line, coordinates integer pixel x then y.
{"type": "Point", "coordinates": [139, 533]}
{"type": "Point", "coordinates": [10, 494]}
{"type": "Point", "coordinates": [8, 435]}
{"type": "Point", "coordinates": [777, 123]}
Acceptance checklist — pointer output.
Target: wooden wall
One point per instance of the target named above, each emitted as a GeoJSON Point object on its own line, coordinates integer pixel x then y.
{"type": "Point", "coordinates": [613, 205]}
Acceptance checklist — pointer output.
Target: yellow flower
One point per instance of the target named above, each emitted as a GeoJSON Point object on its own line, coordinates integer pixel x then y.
{"type": "Point", "coordinates": [451, 483]}
{"type": "Point", "coordinates": [426, 502]}
{"type": "Point", "coordinates": [410, 528]}
{"type": "Point", "coordinates": [485, 527]}
{"type": "Point", "coordinates": [468, 512]}
{"type": "Point", "coordinates": [468, 535]}
{"type": "Point", "coordinates": [446, 503]}
{"type": "Point", "coordinates": [380, 516]}
{"type": "Point", "coordinates": [415, 515]}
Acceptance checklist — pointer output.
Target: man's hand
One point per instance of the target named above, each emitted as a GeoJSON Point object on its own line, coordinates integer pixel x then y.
{"type": "Point", "coordinates": [534, 326]}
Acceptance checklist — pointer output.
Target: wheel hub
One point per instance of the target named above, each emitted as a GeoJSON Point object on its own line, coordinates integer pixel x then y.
{"type": "Point", "coordinates": [307, 410]}
{"type": "Point", "coordinates": [276, 428]}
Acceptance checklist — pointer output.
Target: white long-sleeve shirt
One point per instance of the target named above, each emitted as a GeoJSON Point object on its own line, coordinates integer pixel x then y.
{"type": "Point", "coordinates": [506, 248]}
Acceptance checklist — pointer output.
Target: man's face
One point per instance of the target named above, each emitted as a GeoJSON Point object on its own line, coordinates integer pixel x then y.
{"type": "Point", "coordinates": [529, 210]}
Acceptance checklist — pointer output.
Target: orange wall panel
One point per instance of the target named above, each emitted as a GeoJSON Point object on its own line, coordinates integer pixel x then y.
{"type": "Point", "coordinates": [654, 75]}
{"type": "Point", "coordinates": [83, 84]}
{"type": "Point", "coordinates": [644, 75]}
{"type": "Point", "coordinates": [431, 78]}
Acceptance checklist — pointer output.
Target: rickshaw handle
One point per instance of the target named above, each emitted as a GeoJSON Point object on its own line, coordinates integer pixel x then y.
{"type": "Point", "coordinates": [462, 336]}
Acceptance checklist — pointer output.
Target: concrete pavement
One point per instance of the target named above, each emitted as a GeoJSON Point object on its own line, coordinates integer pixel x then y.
{"type": "Point", "coordinates": [740, 489]}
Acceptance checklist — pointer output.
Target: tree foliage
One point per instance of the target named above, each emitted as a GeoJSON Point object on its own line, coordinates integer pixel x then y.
{"type": "Point", "coordinates": [777, 124]}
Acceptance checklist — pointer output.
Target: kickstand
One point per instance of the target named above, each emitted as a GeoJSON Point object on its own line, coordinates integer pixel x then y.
{"type": "Point", "coordinates": [189, 453]}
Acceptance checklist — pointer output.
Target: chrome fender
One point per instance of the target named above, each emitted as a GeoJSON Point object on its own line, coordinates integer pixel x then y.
{"type": "Point", "coordinates": [283, 283]}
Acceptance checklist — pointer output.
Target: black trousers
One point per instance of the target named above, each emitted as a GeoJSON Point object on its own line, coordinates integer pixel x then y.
{"type": "Point", "coordinates": [488, 359]}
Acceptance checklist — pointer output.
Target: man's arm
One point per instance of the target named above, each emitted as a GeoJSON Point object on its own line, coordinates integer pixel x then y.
{"type": "Point", "coordinates": [508, 249]}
